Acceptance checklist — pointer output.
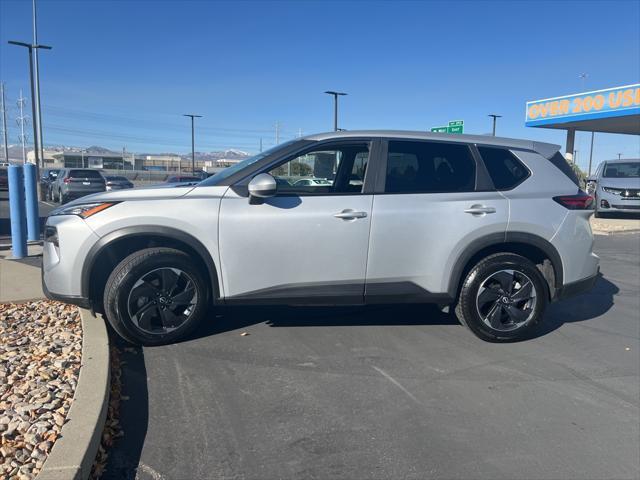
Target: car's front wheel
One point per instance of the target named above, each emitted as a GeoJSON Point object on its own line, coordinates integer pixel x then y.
{"type": "Point", "coordinates": [503, 298]}
{"type": "Point", "coordinates": [155, 296]}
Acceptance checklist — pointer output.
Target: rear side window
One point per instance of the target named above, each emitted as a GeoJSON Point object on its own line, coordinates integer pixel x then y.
{"type": "Point", "coordinates": [94, 174]}
{"type": "Point", "coordinates": [559, 161]}
{"type": "Point", "coordinates": [429, 167]}
{"type": "Point", "coordinates": [505, 170]}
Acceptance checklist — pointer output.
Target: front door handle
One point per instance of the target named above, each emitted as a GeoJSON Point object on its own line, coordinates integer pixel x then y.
{"type": "Point", "coordinates": [349, 214]}
{"type": "Point", "coordinates": [480, 210]}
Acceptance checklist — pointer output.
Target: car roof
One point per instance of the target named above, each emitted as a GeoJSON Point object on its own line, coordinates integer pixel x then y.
{"type": "Point", "coordinates": [623, 160]}
{"type": "Point", "coordinates": [545, 149]}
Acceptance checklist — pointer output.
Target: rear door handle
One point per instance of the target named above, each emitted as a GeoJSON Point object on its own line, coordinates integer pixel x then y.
{"type": "Point", "coordinates": [349, 214]}
{"type": "Point", "coordinates": [480, 210]}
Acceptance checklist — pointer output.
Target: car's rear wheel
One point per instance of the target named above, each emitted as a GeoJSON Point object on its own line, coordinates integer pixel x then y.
{"type": "Point", "coordinates": [503, 298]}
{"type": "Point", "coordinates": [155, 296]}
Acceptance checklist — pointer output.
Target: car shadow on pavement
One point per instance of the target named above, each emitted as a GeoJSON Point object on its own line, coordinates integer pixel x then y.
{"type": "Point", "coordinates": [580, 308]}
{"type": "Point", "coordinates": [124, 455]}
{"type": "Point", "coordinates": [226, 319]}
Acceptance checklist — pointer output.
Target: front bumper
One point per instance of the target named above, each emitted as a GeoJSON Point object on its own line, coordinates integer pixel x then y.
{"type": "Point", "coordinates": [612, 202]}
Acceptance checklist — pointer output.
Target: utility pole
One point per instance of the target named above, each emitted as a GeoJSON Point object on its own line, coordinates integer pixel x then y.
{"type": "Point", "coordinates": [4, 122]}
{"type": "Point", "coordinates": [260, 144]}
{"type": "Point", "coordinates": [335, 107]}
{"type": "Point", "coordinates": [591, 153]}
{"type": "Point", "coordinates": [495, 117]}
{"type": "Point", "coordinates": [36, 69]}
{"type": "Point", "coordinates": [193, 141]}
{"type": "Point", "coordinates": [21, 121]}
{"type": "Point", "coordinates": [575, 157]}
{"type": "Point", "coordinates": [299, 133]}
{"type": "Point", "coordinates": [277, 132]}
{"type": "Point", "coordinates": [35, 107]}
{"type": "Point", "coordinates": [583, 78]}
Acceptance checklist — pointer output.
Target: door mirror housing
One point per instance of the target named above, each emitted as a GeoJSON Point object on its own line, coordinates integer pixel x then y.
{"type": "Point", "coordinates": [263, 185]}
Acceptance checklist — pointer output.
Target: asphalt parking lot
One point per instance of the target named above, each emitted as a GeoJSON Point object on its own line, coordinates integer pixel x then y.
{"type": "Point", "coordinates": [393, 392]}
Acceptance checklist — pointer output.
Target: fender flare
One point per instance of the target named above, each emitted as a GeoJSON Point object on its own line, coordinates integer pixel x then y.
{"type": "Point", "coordinates": [501, 238]}
{"type": "Point", "coordinates": [141, 231]}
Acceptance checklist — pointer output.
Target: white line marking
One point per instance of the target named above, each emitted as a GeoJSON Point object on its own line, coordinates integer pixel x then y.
{"type": "Point", "coordinates": [149, 471]}
{"type": "Point", "coordinates": [397, 384]}
{"type": "Point", "coordinates": [50, 204]}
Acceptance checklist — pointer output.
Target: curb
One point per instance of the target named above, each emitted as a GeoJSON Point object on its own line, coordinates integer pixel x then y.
{"type": "Point", "coordinates": [616, 232]}
{"type": "Point", "coordinates": [73, 454]}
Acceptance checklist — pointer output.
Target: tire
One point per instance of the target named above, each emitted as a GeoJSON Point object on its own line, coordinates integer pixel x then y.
{"type": "Point", "coordinates": [63, 198]}
{"type": "Point", "coordinates": [497, 308]}
{"type": "Point", "coordinates": [146, 312]}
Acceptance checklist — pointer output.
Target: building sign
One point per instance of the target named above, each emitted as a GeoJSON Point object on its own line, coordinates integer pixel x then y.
{"type": "Point", "coordinates": [610, 102]}
{"type": "Point", "coordinates": [455, 126]}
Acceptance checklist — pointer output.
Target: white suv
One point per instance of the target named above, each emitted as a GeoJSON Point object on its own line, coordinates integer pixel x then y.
{"type": "Point", "coordinates": [496, 227]}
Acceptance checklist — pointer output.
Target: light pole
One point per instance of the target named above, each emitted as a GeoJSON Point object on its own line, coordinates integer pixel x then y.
{"type": "Point", "coordinates": [35, 102]}
{"type": "Point", "coordinates": [193, 143]}
{"type": "Point", "coordinates": [335, 107]}
{"type": "Point", "coordinates": [495, 117]}
{"type": "Point", "coordinates": [619, 156]}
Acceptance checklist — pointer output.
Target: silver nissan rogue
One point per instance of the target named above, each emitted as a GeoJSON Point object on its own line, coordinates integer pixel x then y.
{"type": "Point", "coordinates": [496, 227]}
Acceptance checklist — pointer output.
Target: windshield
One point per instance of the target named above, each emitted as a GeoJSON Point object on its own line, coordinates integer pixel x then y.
{"type": "Point", "coordinates": [622, 170]}
{"type": "Point", "coordinates": [227, 172]}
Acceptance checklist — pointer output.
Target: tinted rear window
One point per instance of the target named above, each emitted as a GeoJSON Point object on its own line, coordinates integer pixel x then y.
{"type": "Point", "coordinates": [561, 163]}
{"type": "Point", "coordinates": [93, 174]}
{"type": "Point", "coordinates": [426, 167]}
{"type": "Point", "coordinates": [505, 170]}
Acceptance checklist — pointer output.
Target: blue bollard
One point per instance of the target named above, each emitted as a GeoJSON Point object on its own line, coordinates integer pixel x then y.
{"type": "Point", "coordinates": [31, 201]}
{"type": "Point", "coordinates": [17, 211]}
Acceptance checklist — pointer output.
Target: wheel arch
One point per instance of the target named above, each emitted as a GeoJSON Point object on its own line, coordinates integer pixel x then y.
{"type": "Point", "coordinates": [529, 245]}
{"type": "Point", "coordinates": [107, 252]}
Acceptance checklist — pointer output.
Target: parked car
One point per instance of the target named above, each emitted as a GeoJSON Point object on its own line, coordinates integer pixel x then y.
{"type": "Point", "coordinates": [312, 182]}
{"type": "Point", "coordinates": [183, 179]}
{"type": "Point", "coordinates": [616, 187]}
{"type": "Point", "coordinates": [496, 228]}
{"type": "Point", "coordinates": [73, 183]}
{"type": "Point", "coordinates": [115, 182]}
{"type": "Point", "coordinates": [47, 178]}
{"type": "Point", "coordinates": [4, 178]}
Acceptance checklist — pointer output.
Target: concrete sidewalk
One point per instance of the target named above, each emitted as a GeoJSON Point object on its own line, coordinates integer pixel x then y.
{"type": "Point", "coordinates": [606, 226]}
{"type": "Point", "coordinates": [20, 279]}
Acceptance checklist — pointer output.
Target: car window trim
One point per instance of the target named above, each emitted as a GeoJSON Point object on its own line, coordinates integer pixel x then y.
{"type": "Point", "coordinates": [241, 186]}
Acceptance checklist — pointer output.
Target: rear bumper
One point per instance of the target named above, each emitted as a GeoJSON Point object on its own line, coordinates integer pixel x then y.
{"type": "Point", "coordinates": [575, 288]}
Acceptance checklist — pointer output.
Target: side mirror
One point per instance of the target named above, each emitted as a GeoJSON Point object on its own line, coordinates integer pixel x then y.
{"type": "Point", "coordinates": [263, 185]}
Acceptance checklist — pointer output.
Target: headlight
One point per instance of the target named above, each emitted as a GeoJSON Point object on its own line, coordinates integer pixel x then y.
{"type": "Point", "coordinates": [85, 210]}
{"type": "Point", "coordinates": [616, 191]}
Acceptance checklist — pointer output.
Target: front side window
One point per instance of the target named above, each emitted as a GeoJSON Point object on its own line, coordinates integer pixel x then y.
{"type": "Point", "coordinates": [505, 170]}
{"type": "Point", "coordinates": [328, 170]}
{"type": "Point", "coordinates": [429, 167]}
{"type": "Point", "coordinates": [622, 170]}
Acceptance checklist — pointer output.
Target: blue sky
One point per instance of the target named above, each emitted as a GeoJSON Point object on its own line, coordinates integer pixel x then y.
{"type": "Point", "coordinates": [122, 72]}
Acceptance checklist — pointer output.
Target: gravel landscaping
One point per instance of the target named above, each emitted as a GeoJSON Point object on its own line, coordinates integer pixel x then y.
{"type": "Point", "coordinates": [40, 350]}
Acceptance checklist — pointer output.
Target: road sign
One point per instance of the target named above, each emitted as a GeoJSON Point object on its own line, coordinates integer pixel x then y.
{"type": "Point", "coordinates": [455, 126]}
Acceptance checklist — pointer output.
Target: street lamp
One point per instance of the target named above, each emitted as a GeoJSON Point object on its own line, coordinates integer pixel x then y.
{"type": "Point", "coordinates": [193, 147]}
{"type": "Point", "coordinates": [495, 117]}
{"type": "Point", "coordinates": [35, 102]}
{"type": "Point", "coordinates": [335, 107]}
{"type": "Point", "coordinates": [619, 156]}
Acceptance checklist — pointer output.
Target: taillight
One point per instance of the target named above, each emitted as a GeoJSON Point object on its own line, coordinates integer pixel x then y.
{"type": "Point", "coordinates": [67, 180]}
{"type": "Point", "coordinates": [579, 201]}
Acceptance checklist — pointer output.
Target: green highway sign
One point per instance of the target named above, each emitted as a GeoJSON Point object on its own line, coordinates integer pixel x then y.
{"type": "Point", "coordinates": [455, 126]}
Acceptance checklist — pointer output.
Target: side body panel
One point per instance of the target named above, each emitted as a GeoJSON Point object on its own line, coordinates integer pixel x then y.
{"type": "Point", "coordinates": [289, 245]}
{"type": "Point", "coordinates": [533, 211]}
{"type": "Point", "coordinates": [417, 238]}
